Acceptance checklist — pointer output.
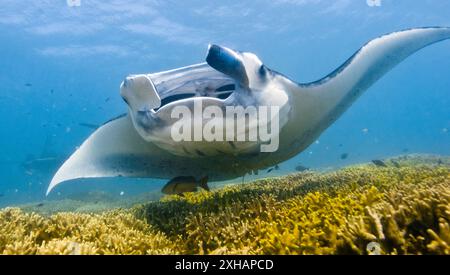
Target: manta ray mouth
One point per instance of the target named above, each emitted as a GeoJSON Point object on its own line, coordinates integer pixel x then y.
{"type": "Point", "coordinates": [199, 80]}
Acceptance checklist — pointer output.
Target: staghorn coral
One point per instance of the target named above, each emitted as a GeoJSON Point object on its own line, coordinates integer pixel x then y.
{"type": "Point", "coordinates": [412, 219]}
{"type": "Point", "coordinates": [402, 209]}
{"type": "Point", "coordinates": [114, 232]}
{"type": "Point", "coordinates": [334, 213]}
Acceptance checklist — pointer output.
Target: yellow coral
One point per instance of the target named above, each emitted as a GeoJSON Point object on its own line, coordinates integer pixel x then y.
{"type": "Point", "coordinates": [115, 232]}
{"type": "Point", "coordinates": [335, 213]}
{"type": "Point", "coordinates": [401, 209]}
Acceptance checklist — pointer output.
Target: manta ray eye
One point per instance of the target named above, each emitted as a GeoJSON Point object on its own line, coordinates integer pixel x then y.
{"type": "Point", "coordinates": [262, 71]}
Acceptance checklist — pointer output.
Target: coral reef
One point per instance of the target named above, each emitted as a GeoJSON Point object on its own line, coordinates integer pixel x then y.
{"type": "Point", "coordinates": [113, 232]}
{"type": "Point", "coordinates": [403, 208]}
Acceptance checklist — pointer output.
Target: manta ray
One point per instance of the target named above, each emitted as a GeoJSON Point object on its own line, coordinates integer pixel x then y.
{"type": "Point", "coordinates": [138, 143]}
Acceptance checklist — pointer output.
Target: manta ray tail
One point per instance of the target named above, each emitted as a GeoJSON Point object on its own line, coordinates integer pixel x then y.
{"type": "Point", "coordinates": [333, 94]}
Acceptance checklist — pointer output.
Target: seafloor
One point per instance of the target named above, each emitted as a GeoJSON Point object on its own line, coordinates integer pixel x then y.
{"type": "Point", "coordinates": [403, 208]}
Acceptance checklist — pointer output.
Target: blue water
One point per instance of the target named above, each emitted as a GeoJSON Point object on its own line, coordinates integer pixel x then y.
{"type": "Point", "coordinates": [62, 65]}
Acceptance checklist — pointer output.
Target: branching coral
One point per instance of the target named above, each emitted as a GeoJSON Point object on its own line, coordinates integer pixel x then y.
{"type": "Point", "coordinates": [412, 219]}
{"type": "Point", "coordinates": [400, 209]}
{"type": "Point", "coordinates": [115, 232]}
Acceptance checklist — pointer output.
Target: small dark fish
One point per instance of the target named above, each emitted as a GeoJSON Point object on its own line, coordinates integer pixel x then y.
{"type": "Point", "coordinates": [440, 162]}
{"type": "Point", "coordinates": [301, 168]}
{"type": "Point", "coordinates": [340, 145]}
{"type": "Point", "coordinates": [51, 91]}
{"type": "Point", "coordinates": [396, 164]}
{"type": "Point", "coordinates": [405, 150]}
{"type": "Point", "coordinates": [89, 125]}
{"type": "Point", "coordinates": [379, 163]}
{"type": "Point", "coordinates": [2, 195]}
{"type": "Point", "coordinates": [277, 167]}
{"type": "Point", "coordinates": [180, 185]}
{"type": "Point", "coordinates": [344, 156]}
{"type": "Point", "coordinates": [28, 84]}
{"type": "Point", "coordinates": [270, 170]}
{"type": "Point", "coordinates": [107, 99]}
{"type": "Point", "coordinates": [40, 204]}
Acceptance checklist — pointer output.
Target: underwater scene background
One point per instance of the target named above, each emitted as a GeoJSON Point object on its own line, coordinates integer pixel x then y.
{"type": "Point", "coordinates": [61, 65]}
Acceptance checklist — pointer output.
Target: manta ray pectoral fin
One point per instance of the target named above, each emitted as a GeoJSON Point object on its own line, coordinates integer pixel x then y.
{"type": "Point", "coordinates": [228, 62]}
{"type": "Point", "coordinates": [325, 100]}
{"type": "Point", "coordinates": [115, 149]}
